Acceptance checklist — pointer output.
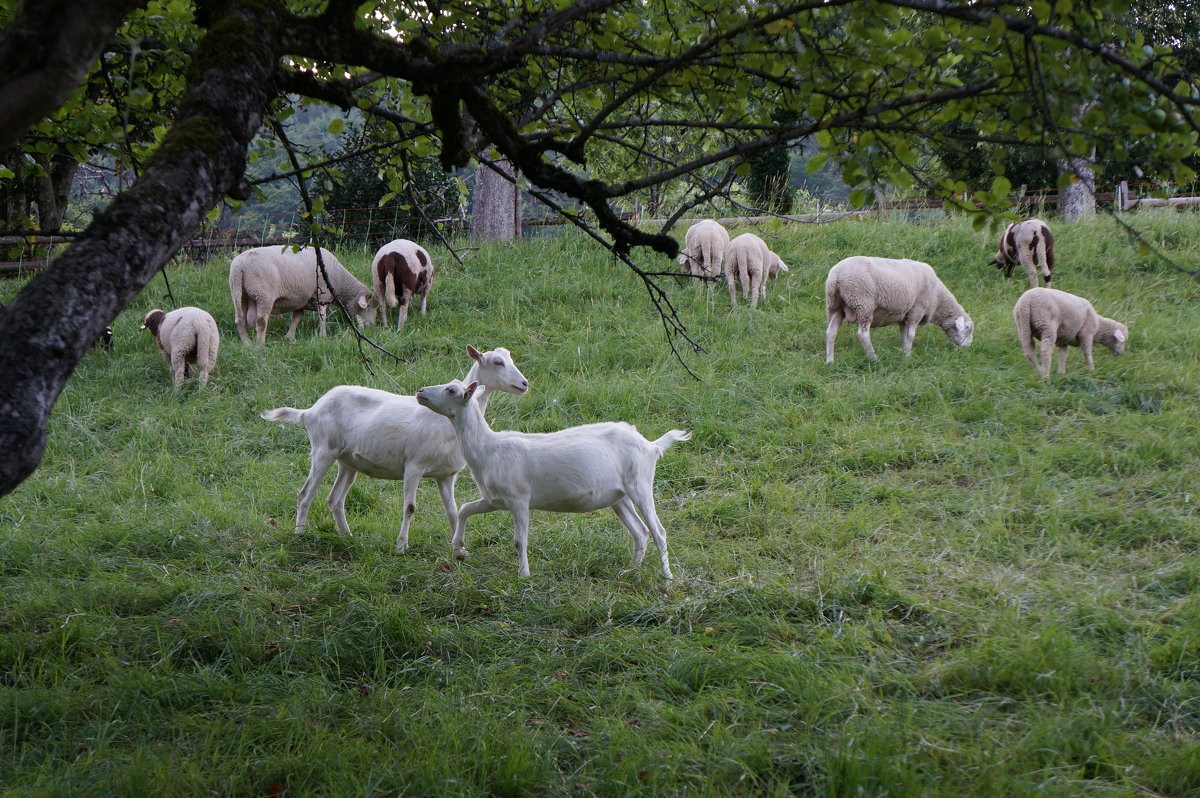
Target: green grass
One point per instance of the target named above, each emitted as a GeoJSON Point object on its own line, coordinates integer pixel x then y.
{"type": "Point", "coordinates": [932, 576]}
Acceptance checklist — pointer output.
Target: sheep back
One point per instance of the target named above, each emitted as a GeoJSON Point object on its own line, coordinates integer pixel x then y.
{"type": "Point", "coordinates": [704, 248]}
{"type": "Point", "coordinates": [1069, 318]}
{"type": "Point", "coordinates": [186, 335]}
{"type": "Point", "coordinates": [888, 291]}
{"type": "Point", "coordinates": [288, 281]}
{"type": "Point", "coordinates": [749, 262]}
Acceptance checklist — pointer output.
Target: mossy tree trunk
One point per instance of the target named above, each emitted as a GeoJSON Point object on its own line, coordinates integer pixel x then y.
{"type": "Point", "coordinates": [54, 319]}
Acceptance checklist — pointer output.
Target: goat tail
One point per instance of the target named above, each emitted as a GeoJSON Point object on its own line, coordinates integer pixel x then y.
{"type": "Point", "coordinates": [288, 414]}
{"type": "Point", "coordinates": [668, 440]}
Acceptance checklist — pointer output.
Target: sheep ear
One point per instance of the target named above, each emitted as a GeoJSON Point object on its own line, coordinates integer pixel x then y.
{"type": "Point", "coordinates": [960, 323]}
{"type": "Point", "coordinates": [473, 352]}
{"type": "Point", "coordinates": [362, 302]}
{"type": "Point", "coordinates": [471, 390]}
{"type": "Point", "coordinates": [1120, 336]}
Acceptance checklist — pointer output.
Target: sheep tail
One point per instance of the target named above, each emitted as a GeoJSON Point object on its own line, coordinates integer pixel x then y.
{"type": "Point", "coordinates": [666, 441]}
{"type": "Point", "coordinates": [288, 414]}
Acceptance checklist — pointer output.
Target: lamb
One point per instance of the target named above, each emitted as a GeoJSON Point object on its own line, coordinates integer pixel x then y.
{"type": "Point", "coordinates": [405, 265]}
{"type": "Point", "coordinates": [876, 292]}
{"type": "Point", "coordinates": [1059, 319]}
{"type": "Point", "coordinates": [574, 470]}
{"type": "Point", "coordinates": [704, 248]}
{"type": "Point", "coordinates": [1029, 243]}
{"type": "Point", "coordinates": [185, 335]}
{"type": "Point", "coordinates": [280, 279]}
{"type": "Point", "coordinates": [748, 257]}
{"type": "Point", "coordinates": [388, 436]}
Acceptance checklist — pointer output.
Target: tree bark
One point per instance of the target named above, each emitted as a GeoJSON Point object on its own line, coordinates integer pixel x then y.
{"type": "Point", "coordinates": [46, 50]}
{"type": "Point", "coordinates": [1078, 199]}
{"type": "Point", "coordinates": [53, 320]}
{"type": "Point", "coordinates": [495, 205]}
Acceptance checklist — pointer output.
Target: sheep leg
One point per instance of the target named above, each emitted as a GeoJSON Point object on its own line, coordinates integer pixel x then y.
{"type": "Point", "coordinates": [291, 333]}
{"type": "Point", "coordinates": [460, 532]}
{"type": "Point", "coordinates": [1047, 352]}
{"type": "Point", "coordinates": [412, 477]}
{"type": "Point", "coordinates": [402, 311]}
{"type": "Point", "coordinates": [835, 322]}
{"type": "Point", "coordinates": [1031, 269]}
{"type": "Point", "coordinates": [643, 496]}
{"type": "Point", "coordinates": [337, 497]}
{"type": "Point", "coordinates": [322, 314]}
{"type": "Point", "coordinates": [1062, 360]}
{"type": "Point", "coordinates": [520, 514]}
{"type": "Point", "coordinates": [243, 315]}
{"type": "Point", "coordinates": [260, 323]}
{"type": "Point", "coordinates": [908, 331]}
{"type": "Point", "coordinates": [178, 368]}
{"type": "Point", "coordinates": [1028, 347]}
{"type": "Point", "coordinates": [629, 517]}
{"type": "Point", "coordinates": [321, 461]}
{"type": "Point", "coordinates": [446, 488]}
{"type": "Point", "coordinates": [757, 288]}
{"type": "Point", "coordinates": [730, 279]}
{"type": "Point", "coordinates": [864, 337]}
{"type": "Point", "coordinates": [424, 297]}
{"type": "Point", "coordinates": [383, 306]}
{"type": "Point", "coordinates": [1085, 343]}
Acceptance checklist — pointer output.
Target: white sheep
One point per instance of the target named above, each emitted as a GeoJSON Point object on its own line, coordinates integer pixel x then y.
{"type": "Point", "coordinates": [280, 279]}
{"type": "Point", "coordinates": [877, 292]}
{"type": "Point", "coordinates": [405, 266]}
{"type": "Point", "coordinates": [185, 335]}
{"type": "Point", "coordinates": [1030, 243]}
{"type": "Point", "coordinates": [574, 470]}
{"type": "Point", "coordinates": [704, 248]}
{"type": "Point", "coordinates": [388, 436]}
{"type": "Point", "coordinates": [1059, 319]}
{"type": "Point", "coordinates": [753, 262]}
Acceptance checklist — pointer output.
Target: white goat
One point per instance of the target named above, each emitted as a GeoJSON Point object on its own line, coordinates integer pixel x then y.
{"type": "Point", "coordinates": [574, 470]}
{"type": "Point", "coordinates": [388, 436]}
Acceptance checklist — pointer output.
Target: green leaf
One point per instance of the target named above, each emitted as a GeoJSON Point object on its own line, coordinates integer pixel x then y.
{"type": "Point", "coordinates": [336, 125]}
{"type": "Point", "coordinates": [1001, 186]}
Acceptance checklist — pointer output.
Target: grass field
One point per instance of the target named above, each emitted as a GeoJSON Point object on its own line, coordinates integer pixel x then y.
{"type": "Point", "coordinates": [929, 576]}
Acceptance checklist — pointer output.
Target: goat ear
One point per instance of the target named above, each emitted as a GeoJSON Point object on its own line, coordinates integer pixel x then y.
{"type": "Point", "coordinates": [471, 390]}
{"type": "Point", "coordinates": [473, 352]}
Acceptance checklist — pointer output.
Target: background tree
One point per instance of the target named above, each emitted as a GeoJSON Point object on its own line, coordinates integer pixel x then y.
{"type": "Point", "coordinates": [870, 80]}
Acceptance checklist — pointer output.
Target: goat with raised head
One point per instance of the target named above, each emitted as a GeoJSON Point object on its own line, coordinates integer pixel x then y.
{"type": "Point", "coordinates": [389, 436]}
{"type": "Point", "coordinates": [575, 470]}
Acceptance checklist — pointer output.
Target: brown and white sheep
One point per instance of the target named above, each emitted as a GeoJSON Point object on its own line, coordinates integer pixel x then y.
{"type": "Point", "coordinates": [1059, 320]}
{"type": "Point", "coordinates": [704, 248]}
{"type": "Point", "coordinates": [749, 258]}
{"type": "Point", "coordinates": [877, 292]}
{"type": "Point", "coordinates": [185, 335]}
{"type": "Point", "coordinates": [403, 266]}
{"type": "Point", "coordinates": [281, 279]}
{"type": "Point", "coordinates": [1029, 243]}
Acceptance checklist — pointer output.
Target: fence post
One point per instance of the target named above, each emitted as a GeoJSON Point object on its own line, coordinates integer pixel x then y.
{"type": "Point", "coordinates": [1122, 195]}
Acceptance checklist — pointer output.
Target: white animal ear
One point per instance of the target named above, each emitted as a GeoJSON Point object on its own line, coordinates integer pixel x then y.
{"type": "Point", "coordinates": [362, 302]}
{"type": "Point", "coordinates": [473, 352]}
{"type": "Point", "coordinates": [782, 266]}
{"type": "Point", "coordinates": [471, 390]}
{"type": "Point", "coordinates": [1120, 336]}
{"type": "Point", "coordinates": [960, 323]}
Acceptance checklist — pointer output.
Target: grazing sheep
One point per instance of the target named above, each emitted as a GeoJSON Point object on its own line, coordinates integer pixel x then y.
{"type": "Point", "coordinates": [1029, 243]}
{"type": "Point", "coordinates": [876, 292]}
{"type": "Point", "coordinates": [574, 470]}
{"type": "Point", "coordinates": [388, 436]}
{"type": "Point", "coordinates": [753, 262]}
{"type": "Point", "coordinates": [280, 279]}
{"type": "Point", "coordinates": [1059, 319]}
{"type": "Point", "coordinates": [186, 335]}
{"type": "Point", "coordinates": [403, 265]}
{"type": "Point", "coordinates": [704, 248]}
